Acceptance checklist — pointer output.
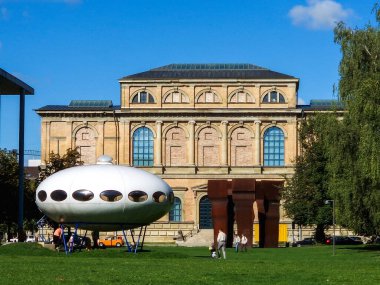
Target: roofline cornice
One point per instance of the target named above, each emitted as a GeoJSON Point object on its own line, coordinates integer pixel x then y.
{"type": "Point", "coordinates": [202, 81]}
{"type": "Point", "coordinates": [186, 114]}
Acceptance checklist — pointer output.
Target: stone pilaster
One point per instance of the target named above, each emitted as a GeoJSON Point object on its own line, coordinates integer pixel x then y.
{"type": "Point", "coordinates": [224, 161]}
{"type": "Point", "coordinates": [257, 157]}
{"type": "Point", "coordinates": [159, 144]}
{"type": "Point", "coordinates": [192, 143]}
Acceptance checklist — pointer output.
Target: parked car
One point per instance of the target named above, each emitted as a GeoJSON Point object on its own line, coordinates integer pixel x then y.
{"type": "Point", "coordinates": [305, 241]}
{"type": "Point", "coordinates": [30, 239]}
{"type": "Point", "coordinates": [111, 241]}
{"type": "Point", "coordinates": [15, 239]}
{"type": "Point", "coordinates": [343, 240]}
{"type": "Point", "coordinates": [356, 238]}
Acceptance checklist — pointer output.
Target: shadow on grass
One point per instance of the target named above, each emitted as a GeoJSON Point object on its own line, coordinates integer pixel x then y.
{"type": "Point", "coordinates": [367, 247]}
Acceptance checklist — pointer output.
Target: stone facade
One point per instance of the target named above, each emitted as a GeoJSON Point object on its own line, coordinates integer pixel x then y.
{"type": "Point", "coordinates": [202, 128]}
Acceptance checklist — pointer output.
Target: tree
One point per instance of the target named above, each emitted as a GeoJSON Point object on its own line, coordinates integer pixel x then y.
{"type": "Point", "coordinates": [9, 172]}
{"type": "Point", "coordinates": [354, 155]}
{"type": "Point", "coordinates": [56, 163]}
{"type": "Point", "coordinates": [305, 193]}
{"type": "Point", "coordinates": [9, 190]}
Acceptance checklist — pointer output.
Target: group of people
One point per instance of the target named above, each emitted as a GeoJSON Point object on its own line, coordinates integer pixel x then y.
{"type": "Point", "coordinates": [217, 252]}
{"type": "Point", "coordinates": [240, 242]}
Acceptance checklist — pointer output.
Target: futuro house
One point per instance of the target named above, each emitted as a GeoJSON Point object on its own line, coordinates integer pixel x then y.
{"type": "Point", "coordinates": [104, 196]}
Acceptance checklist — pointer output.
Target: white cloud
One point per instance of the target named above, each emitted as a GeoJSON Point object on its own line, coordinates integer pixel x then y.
{"type": "Point", "coordinates": [319, 14]}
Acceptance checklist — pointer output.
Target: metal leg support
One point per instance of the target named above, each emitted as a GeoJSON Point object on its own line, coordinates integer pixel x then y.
{"type": "Point", "coordinates": [126, 241]}
{"type": "Point", "coordinates": [63, 237]}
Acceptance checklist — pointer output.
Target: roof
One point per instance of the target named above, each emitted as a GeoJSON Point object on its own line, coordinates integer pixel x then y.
{"type": "Point", "coordinates": [11, 85]}
{"type": "Point", "coordinates": [209, 71]}
{"type": "Point", "coordinates": [83, 105]}
{"type": "Point", "coordinates": [69, 108]}
{"type": "Point", "coordinates": [321, 104]}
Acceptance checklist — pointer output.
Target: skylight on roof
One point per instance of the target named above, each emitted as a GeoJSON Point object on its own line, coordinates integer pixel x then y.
{"type": "Point", "coordinates": [91, 103]}
{"type": "Point", "coordinates": [210, 66]}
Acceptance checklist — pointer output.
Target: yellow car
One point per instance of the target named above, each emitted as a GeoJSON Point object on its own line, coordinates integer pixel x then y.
{"type": "Point", "coordinates": [111, 241]}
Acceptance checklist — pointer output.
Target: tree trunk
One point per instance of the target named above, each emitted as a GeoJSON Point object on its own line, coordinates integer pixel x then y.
{"type": "Point", "coordinates": [320, 234]}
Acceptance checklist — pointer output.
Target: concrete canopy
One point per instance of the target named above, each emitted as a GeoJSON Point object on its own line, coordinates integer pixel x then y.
{"type": "Point", "coordinates": [11, 85]}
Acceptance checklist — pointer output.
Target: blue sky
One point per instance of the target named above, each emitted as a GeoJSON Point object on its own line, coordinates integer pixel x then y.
{"type": "Point", "coordinates": [78, 49]}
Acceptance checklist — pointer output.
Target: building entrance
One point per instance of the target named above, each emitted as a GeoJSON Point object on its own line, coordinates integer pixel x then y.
{"type": "Point", "coordinates": [205, 219]}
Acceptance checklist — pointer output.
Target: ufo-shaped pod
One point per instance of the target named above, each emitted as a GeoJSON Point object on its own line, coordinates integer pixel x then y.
{"type": "Point", "coordinates": [104, 197]}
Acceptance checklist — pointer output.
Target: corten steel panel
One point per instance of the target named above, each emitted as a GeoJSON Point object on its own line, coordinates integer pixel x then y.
{"type": "Point", "coordinates": [261, 213]}
{"type": "Point", "coordinates": [271, 224]}
{"type": "Point", "coordinates": [243, 195]}
{"type": "Point", "coordinates": [268, 198]}
{"type": "Point", "coordinates": [218, 195]}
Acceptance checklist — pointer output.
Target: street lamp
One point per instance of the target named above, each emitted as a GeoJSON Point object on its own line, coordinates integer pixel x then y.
{"type": "Point", "coordinates": [327, 202]}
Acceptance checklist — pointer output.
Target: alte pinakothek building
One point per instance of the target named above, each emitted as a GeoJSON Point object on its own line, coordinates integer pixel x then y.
{"type": "Point", "coordinates": [188, 123]}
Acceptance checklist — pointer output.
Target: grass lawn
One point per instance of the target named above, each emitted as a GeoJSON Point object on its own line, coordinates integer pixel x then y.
{"type": "Point", "coordinates": [28, 263]}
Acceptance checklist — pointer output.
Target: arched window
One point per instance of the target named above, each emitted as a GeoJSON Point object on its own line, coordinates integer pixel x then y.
{"type": "Point", "coordinates": [175, 214]}
{"type": "Point", "coordinates": [143, 97]}
{"type": "Point", "coordinates": [208, 97]}
{"type": "Point", "coordinates": [205, 220]}
{"type": "Point", "coordinates": [143, 147]}
{"type": "Point", "coordinates": [241, 96]}
{"type": "Point", "coordinates": [274, 97]}
{"type": "Point", "coordinates": [176, 97]}
{"type": "Point", "coordinates": [274, 147]}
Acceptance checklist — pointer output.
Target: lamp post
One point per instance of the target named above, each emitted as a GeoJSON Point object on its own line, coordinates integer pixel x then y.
{"type": "Point", "coordinates": [327, 202]}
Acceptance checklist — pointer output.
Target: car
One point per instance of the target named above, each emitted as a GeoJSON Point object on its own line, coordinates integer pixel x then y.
{"type": "Point", "coordinates": [30, 238]}
{"type": "Point", "coordinates": [15, 239]}
{"type": "Point", "coordinates": [111, 241]}
{"type": "Point", "coordinates": [343, 240]}
{"type": "Point", "coordinates": [356, 238]}
{"type": "Point", "coordinates": [305, 241]}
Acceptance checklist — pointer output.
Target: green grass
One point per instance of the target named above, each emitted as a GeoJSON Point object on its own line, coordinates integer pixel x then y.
{"type": "Point", "coordinates": [31, 264]}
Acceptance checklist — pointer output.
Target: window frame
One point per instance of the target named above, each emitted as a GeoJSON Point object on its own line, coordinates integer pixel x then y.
{"type": "Point", "coordinates": [280, 98]}
{"type": "Point", "coordinates": [236, 93]}
{"type": "Point", "coordinates": [175, 214]}
{"type": "Point", "coordinates": [274, 147]}
{"type": "Point", "coordinates": [149, 99]}
{"type": "Point", "coordinates": [214, 94]}
{"type": "Point", "coordinates": [143, 147]}
{"type": "Point", "coordinates": [184, 99]}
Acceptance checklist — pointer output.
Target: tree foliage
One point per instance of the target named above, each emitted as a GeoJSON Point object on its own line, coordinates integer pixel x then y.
{"type": "Point", "coordinates": [304, 194]}
{"type": "Point", "coordinates": [354, 163]}
{"type": "Point", "coordinates": [9, 173]}
{"type": "Point", "coordinates": [56, 162]}
{"type": "Point", "coordinates": [341, 156]}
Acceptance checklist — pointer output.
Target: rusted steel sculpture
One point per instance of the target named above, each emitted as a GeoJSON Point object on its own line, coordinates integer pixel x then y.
{"type": "Point", "coordinates": [240, 208]}
{"type": "Point", "coordinates": [268, 202]}
{"type": "Point", "coordinates": [243, 196]}
{"type": "Point", "coordinates": [218, 195]}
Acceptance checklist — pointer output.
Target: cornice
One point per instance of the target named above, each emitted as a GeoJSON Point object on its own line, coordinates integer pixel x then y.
{"type": "Point", "coordinates": [209, 81]}
{"type": "Point", "coordinates": [159, 114]}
